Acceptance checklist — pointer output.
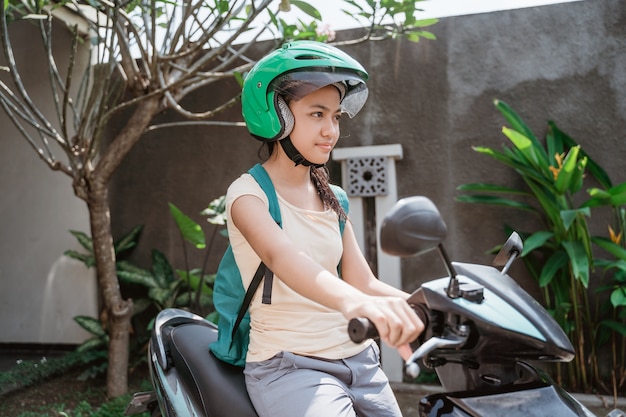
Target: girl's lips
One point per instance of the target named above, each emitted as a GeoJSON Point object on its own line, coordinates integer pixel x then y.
{"type": "Point", "coordinates": [325, 146]}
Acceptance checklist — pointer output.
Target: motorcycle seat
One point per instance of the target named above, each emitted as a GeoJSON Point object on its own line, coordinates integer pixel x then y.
{"type": "Point", "coordinates": [216, 385]}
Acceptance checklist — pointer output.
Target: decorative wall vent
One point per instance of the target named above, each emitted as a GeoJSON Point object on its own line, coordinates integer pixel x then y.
{"type": "Point", "coordinates": [367, 177]}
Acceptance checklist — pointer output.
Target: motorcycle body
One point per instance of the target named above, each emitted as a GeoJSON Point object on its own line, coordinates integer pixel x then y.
{"type": "Point", "coordinates": [485, 337]}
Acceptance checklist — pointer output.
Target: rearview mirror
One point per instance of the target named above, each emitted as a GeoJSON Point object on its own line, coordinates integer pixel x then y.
{"type": "Point", "coordinates": [412, 226]}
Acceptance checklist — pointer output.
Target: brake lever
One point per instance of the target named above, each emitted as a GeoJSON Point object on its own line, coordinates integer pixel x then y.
{"type": "Point", "coordinates": [450, 339]}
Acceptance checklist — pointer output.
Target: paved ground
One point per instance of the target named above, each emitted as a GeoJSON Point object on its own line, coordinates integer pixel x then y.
{"type": "Point", "coordinates": [409, 396]}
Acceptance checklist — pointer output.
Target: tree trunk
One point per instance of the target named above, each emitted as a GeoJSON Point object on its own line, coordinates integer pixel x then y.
{"type": "Point", "coordinates": [119, 311]}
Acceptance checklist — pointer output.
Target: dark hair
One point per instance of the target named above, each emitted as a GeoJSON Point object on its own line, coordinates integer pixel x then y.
{"type": "Point", "coordinates": [320, 178]}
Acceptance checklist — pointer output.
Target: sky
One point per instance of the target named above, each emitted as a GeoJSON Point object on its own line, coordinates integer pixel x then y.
{"type": "Point", "coordinates": [432, 8]}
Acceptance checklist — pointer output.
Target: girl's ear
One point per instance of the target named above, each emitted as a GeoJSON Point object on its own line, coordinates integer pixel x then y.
{"type": "Point", "coordinates": [286, 117]}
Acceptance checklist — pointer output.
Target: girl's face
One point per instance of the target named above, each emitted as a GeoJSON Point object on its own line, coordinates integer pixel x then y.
{"type": "Point", "coordinates": [316, 128]}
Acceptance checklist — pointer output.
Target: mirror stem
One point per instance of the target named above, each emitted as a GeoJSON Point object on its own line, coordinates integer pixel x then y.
{"type": "Point", "coordinates": [453, 289]}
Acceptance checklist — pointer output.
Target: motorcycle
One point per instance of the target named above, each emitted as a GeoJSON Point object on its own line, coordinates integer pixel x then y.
{"type": "Point", "coordinates": [483, 336]}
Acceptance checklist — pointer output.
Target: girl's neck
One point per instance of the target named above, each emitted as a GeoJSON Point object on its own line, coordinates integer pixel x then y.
{"type": "Point", "coordinates": [293, 183]}
{"type": "Point", "coordinates": [283, 171]}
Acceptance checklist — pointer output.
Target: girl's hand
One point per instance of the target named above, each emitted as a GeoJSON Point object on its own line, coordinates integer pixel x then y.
{"type": "Point", "coordinates": [395, 320]}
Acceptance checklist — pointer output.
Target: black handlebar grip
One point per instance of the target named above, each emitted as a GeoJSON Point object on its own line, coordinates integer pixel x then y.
{"type": "Point", "coordinates": [361, 329]}
{"type": "Point", "coordinates": [422, 312]}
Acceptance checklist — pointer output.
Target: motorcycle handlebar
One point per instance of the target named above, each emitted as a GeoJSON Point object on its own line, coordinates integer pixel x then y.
{"type": "Point", "coordinates": [361, 329]}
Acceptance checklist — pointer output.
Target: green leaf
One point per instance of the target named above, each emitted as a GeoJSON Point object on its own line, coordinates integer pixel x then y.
{"type": "Point", "coordinates": [132, 277]}
{"type": "Point", "coordinates": [615, 196]}
{"type": "Point", "coordinates": [193, 278]}
{"type": "Point", "coordinates": [129, 240]}
{"type": "Point", "coordinates": [87, 259]}
{"type": "Point", "coordinates": [614, 249]}
{"type": "Point", "coordinates": [568, 216]}
{"type": "Point", "coordinates": [615, 326]}
{"type": "Point", "coordinates": [536, 240]}
{"type": "Point", "coordinates": [524, 145]}
{"type": "Point", "coordinates": [160, 295]}
{"type": "Point", "coordinates": [618, 297]}
{"type": "Point", "coordinates": [163, 271]}
{"type": "Point", "coordinates": [84, 240]}
{"type": "Point", "coordinates": [307, 8]}
{"type": "Point", "coordinates": [92, 343]}
{"type": "Point", "coordinates": [555, 263]}
{"type": "Point", "coordinates": [90, 324]}
{"type": "Point", "coordinates": [518, 125]}
{"type": "Point", "coordinates": [190, 230]}
{"type": "Point", "coordinates": [563, 180]}
{"type": "Point", "coordinates": [578, 260]}
{"type": "Point", "coordinates": [596, 170]}
{"type": "Point", "coordinates": [498, 201]}
{"type": "Point", "coordinates": [485, 187]}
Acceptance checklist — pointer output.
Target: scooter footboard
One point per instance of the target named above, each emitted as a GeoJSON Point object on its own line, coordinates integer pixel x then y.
{"type": "Point", "coordinates": [219, 387]}
{"type": "Point", "coordinates": [526, 400]}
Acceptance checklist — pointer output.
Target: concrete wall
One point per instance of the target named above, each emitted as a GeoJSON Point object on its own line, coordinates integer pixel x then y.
{"type": "Point", "coordinates": [40, 289]}
{"type": "Point", "coordinates": [564, 62]}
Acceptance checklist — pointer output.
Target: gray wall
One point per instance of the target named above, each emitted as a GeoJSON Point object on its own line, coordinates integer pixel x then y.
{"type": "Point", "coordinates": [564, 62]}
{"type": "Point", "coordinates": [40, 289]}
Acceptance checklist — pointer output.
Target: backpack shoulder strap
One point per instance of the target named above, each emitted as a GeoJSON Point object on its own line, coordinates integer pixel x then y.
{"type": "Point", "coordinates": [260, 175]}
{"type": "Point", "coordinates": [263, 272]}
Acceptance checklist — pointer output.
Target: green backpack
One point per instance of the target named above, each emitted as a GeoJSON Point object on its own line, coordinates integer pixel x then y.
{"type": "Point", "coordinates": [231, 299]}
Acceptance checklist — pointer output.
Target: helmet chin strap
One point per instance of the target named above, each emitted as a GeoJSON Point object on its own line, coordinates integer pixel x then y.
{"type": "Point", "coordinates": [295, 155]}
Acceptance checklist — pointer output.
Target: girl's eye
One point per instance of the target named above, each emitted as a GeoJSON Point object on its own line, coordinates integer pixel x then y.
{"type": "Point", "coordinates": [338, 116]}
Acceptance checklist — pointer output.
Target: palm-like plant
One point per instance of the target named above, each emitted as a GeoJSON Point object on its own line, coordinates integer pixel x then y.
{"type": "Point", "coordinates": [560, 255]}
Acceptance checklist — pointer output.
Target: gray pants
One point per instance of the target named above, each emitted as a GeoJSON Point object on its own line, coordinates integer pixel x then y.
{"type": "Point", "coordinates": [290, 385]}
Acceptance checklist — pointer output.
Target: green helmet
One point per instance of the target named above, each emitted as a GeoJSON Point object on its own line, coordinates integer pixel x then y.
{"type": "Point", "coordinates": [292, 72]}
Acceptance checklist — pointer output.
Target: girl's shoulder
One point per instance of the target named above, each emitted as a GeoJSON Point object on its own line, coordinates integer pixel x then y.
{"type": "Point", "coordinates": [245, 185]}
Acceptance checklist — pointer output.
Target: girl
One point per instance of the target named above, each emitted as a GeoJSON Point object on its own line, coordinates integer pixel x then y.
{"type": "Point", "coordinates": [300, 360]}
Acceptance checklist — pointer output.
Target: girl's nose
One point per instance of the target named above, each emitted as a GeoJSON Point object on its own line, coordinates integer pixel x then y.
{"type": "Point", "coordinates": [330, 127]}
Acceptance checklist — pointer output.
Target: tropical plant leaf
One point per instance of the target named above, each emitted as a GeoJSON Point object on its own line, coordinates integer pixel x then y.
{"type": "Point", "coordinates": [90, 324]}
{"type": "Point", "coordinates": [556, 262]}
{"type": "Point", "coordinates": [498, 201]}
{"type": "Point", "coordinates": [618, 297]}
{"type": "Point", "coordinates": [84, 240]}
{"type": "Point", "coordinates": [592, 167]}
{"type": "Point", "coordinates": [92, 343]}
{"type": "Point", "coordinates": [88, 259]}
{"type": "Point", "coordinates": [144, 278]}
{"type": "Point", "coordinates": [307, 8]}
{"type": "Point", "coordinates": [193, 279]}
{"type": "Point", "coordinates": [578, 260]}
{"type": "Point", "coordinates": [615, 196]}
{"type": "Point", "coordinates": [190, 230]}
{"type": "Point", "coordinates": [519, 125]}
{"type": "Point", "coordinates": [566, 172]}
{"type": "Point", "coordinates": [494, 188]}
{"type": "Point", "coordinates": [129, 240]}
{"type": "Point", "coordinates": [615, 326]}
{"type": "Point", "coordinates": [163, 271]}
{"type": "Point", "coordinates": [536, 240]}
{"type": "Point", "coordinates": [568, 216]}
{"type": "Point", "coordinates": [606, 244]}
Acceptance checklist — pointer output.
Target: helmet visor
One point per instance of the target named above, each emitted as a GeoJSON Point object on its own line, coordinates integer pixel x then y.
{"type": "Point", "coordinates": [298, 84]}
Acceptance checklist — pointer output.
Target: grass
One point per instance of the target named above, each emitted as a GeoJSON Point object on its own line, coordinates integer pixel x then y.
{"type": "Point", "coordinates": [58, 388]}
